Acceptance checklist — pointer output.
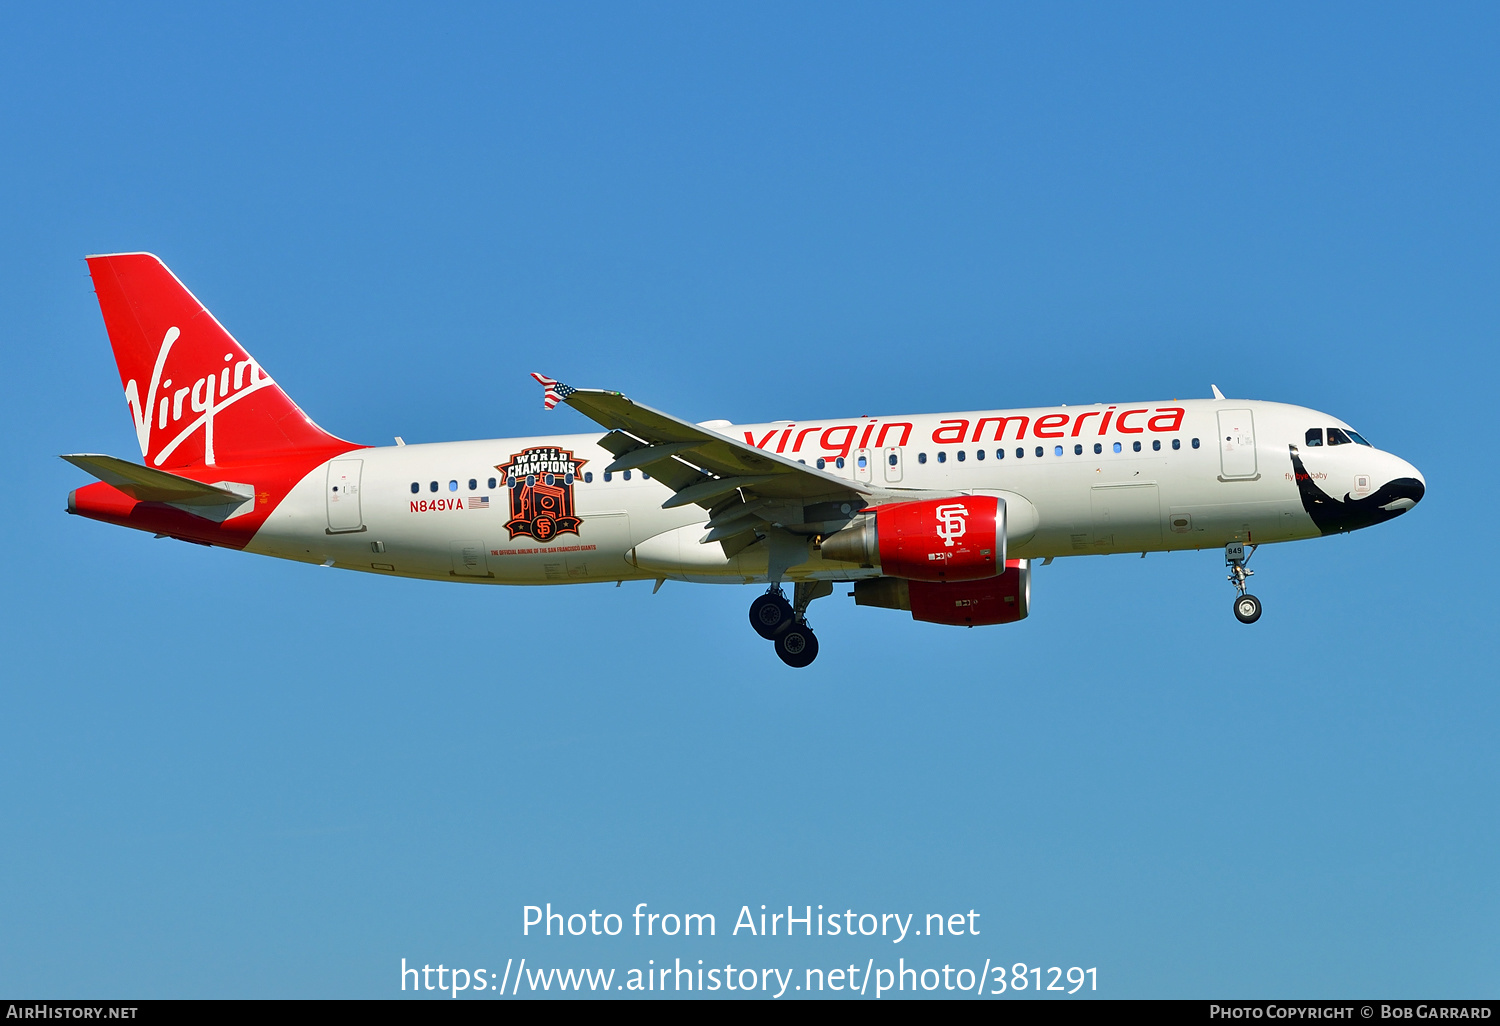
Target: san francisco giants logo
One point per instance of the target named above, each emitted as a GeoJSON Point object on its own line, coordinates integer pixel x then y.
{"type": "Point", "coordinates": [952, 518]}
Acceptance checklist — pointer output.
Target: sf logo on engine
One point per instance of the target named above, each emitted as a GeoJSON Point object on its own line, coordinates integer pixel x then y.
{"type": "Point", "coordinates": [541, 493]}
{"type": "Point", "coordinates": [953, 523]}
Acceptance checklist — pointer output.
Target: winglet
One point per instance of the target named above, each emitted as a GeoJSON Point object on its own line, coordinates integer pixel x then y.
{"type": "Point", "coordinates": [553, 391]}
{"type": "Point", "coordinates": [1217, 393]}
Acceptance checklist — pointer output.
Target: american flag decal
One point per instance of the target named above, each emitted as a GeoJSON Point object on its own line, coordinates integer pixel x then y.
{"type": "Point", "coordinates": [554, 392]}
{"type": "Point", "coordinates": [479, 502]}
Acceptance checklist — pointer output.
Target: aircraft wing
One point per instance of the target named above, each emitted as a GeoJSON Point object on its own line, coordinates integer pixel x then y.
{"type": "Point", "coordinates": [701, 465]}
{"type": "Point", "coordinates": [739, 484]}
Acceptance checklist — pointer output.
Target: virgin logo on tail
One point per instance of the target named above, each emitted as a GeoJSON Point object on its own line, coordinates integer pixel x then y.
{"type": "Point", "coordinates": [207, 396]}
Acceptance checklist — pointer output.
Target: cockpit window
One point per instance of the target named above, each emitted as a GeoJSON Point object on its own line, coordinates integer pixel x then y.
{"type": "Point", "coordinates": [1314, 436]}
{"type": "Point", "coordinates": [1359, 438]}
{"type": "Point", "coordinates": [1336, 436]}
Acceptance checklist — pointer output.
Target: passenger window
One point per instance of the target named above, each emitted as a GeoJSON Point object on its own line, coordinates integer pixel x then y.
{"type": "Point", "coordinates": [893, 459]}
{"type": "Point", "coordinates": [567, 479]}
{"type": "Point", "coordinates": [1117, 447]}
{"type": "Point", "coordinates": [942, 457]}
{"type": "Point", "coordinates": [473, 485]}
{"type": "Point", "coordinates": [1337, 437]}
{"type": "Point", "coordinates": [839, 463]}
{"type": "Point", "coordinates": [1020, 452]}
{"type": "Point", "coordinates": [645, 476]}
{"type": "Point", "coordinates": [608, 476]}
{"type": "Point", "coordinates": [588, 477]}
{"type": "Point", "coordinates": [1195, 443]}
{"type": "Point", "coordinates": [1077, 450]}
{"type": "Point", "coordinates": [862, 463]}
{"type": "Point", "coordinates": [979, 454]}
{"type": "Point", "coordinates": [492, 483]}
{"type": "Point", "coordinates": [1039, 450]}
{"type": "Point", "coordinates": [453, 486]}
{"type": "Point", "coordinates": [1136, 446]}
{"type": "Point", "coordinates": [626, 475]}
{"type": "Point", "coordinates": [1177, 443]}
{"type": "Point", "coordinates": [921, 458]}
{"type": "Point", "coordinates": [821, 463]}
{"type": "Point", "coordinates": [547, 479]}
{"type": "Point", "coordinates": [530, 480]}
{"type": "Point", "coordinates": [433, 487]}
{"type": "Point", "coordinates": [1098, 448]}
{"type": "Point", "coordinates": [960, 455]}
{"type": "Point", "coordinates": [510, 481]}
{"type": "Point", "coordinates": [999, 454]}
{"type": "Point", "coordinates": [415, 488]}
{"type": "Point", "coordinates": [1314, 437]}
{"type": "Point", "coordinates": [1156, 445]}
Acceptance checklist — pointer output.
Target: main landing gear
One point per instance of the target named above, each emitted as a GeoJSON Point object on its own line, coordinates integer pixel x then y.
{"type": "Point", "coordinates": [770, 613]}
{"type": "Point", "coordinates": [1246, 607]}
{"type": "Point", "coordinates": [785, 623]}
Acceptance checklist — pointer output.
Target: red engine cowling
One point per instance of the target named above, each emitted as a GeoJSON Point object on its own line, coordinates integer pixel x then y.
{"type": "Point", "coordinates": [937, 540]}
{"type": "Point", "coordinates": [1003, 599]}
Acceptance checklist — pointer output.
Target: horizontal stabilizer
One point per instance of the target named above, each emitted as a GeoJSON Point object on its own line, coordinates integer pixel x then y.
{"type": "Point", "coordinates": [218, 501]}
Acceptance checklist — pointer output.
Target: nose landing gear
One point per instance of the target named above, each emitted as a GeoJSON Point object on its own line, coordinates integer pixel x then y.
{"type": "Point", "coordinates": [1246, 607]}
{"type": "Point", "coordinates": [785, 623]}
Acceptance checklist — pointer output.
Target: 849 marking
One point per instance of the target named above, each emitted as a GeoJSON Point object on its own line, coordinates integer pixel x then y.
{"type": "Point", "coordinates": [1023, 977]}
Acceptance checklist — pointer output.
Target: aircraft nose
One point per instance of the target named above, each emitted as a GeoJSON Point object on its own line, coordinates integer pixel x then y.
{"type": "Point", "coordinates": [1405, 489]}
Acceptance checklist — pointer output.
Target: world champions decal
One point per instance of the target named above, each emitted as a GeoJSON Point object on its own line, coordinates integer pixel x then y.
{"type": "Point", "coordinates": [541, 493]}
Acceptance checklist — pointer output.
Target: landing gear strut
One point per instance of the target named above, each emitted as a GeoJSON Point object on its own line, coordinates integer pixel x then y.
{"type": "Point", "coordinates": [1246, 607]}
{"type": "Point", "coordinates": [785, 623]}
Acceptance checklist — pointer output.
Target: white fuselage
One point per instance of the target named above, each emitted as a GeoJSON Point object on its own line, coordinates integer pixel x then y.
{"type": "Point", "coordinates": [1212, 472]}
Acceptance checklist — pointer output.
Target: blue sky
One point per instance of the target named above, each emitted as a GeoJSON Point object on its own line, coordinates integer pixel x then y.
{"type": "Point", "coordinates": [227, 776]}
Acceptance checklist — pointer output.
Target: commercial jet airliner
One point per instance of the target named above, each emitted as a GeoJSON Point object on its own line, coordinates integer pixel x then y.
{"type": "Point", "coordinates": [940, 515]}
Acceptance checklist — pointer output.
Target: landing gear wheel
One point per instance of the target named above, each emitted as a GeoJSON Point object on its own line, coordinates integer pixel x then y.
{"type": "Point", "coordinates": [797, 645]}
{"type": "Point", "coordinates": [1247, 609]}
{"type": "Point", "coordinates": [769, 614]}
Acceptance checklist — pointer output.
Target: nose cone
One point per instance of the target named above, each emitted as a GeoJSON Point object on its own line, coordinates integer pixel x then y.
{"type": "Point", "coordinates": [1404, 490]}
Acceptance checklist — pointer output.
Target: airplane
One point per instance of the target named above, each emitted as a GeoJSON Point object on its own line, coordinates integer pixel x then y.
{"type": "Point", "coordinates": [939, 515]}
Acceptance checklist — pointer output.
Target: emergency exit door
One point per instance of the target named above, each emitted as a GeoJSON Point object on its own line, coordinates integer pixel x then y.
{"type": "Point", "coordinates": [891, 457]}
{"type": "Point", "coordinates": [1237, 443]}
{"type": "Point", "coordinates": [343, 496]}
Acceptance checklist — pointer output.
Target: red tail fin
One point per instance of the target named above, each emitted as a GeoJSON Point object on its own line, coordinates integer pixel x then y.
{"type": "Point", "coordinates": [196, 397]}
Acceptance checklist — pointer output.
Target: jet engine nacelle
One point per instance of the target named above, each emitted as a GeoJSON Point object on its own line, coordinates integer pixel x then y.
{"type": "Point", "coordinates": [1002, 599]}
{"type": "Point", "coordinates": [957, 539]}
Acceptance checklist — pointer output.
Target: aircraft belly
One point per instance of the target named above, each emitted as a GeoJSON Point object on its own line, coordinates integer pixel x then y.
{"type": "Point", "coordinates": [1118, 507]}
{"type": "Point", "coordinates": [678, 554]}
{"type": "Point", "coordinates": [595, 553]}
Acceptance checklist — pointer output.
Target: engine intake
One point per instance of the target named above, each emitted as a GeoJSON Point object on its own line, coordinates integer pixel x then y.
{"type": "Point", "coordinates": [939, 540]}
